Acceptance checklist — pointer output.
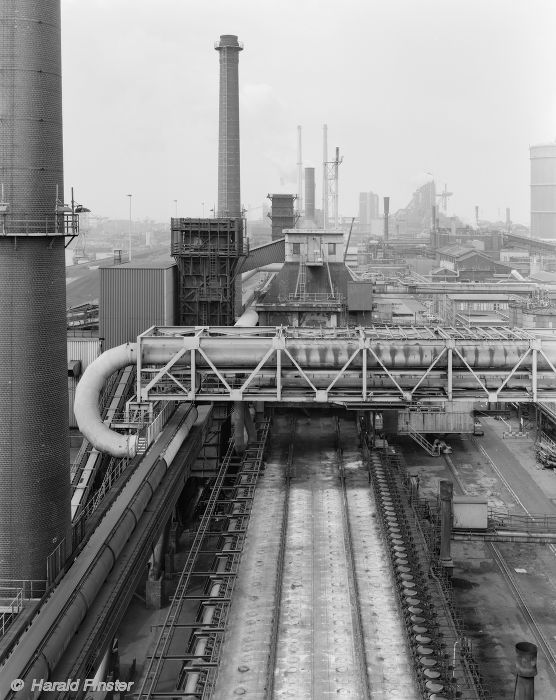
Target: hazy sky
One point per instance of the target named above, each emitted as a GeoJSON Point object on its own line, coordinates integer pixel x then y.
{"type": "Point", "coordinates": [457, 88]}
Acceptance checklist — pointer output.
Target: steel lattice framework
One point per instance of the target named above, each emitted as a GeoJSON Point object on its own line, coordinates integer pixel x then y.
{"type": "Point", "coordinates": [365, 367]}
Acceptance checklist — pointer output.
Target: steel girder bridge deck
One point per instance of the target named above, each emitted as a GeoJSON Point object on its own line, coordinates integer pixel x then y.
{"type": "Point", "coordinates": [360, 367]}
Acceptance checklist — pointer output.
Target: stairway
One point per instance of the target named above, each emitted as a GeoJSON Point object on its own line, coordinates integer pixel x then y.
{"type": "Point", "coordinates": [432, 449]}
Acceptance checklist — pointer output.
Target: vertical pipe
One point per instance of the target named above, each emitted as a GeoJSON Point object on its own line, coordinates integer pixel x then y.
{"type": "Point", "coordinates": [299, 172]}
{"type": "Point", "coordinates": [336, 168]}
{"type": "Point", "coordinates": [446, 494]}
{"type": "Point", "coordinates": [534, 373]}
{"type": "Point", "coordinates": [229, 196]}
{"type": "Point", "coordinates": [310, 194]}
{"type": "Point", "coordinates": [278, 374]}
{"type": "Point", "coordinates": [450, 374]}
{"type": "Point", "coordinates": [386, 212]}
{"type": "Point", "coordinates": [364, 371]}
{"type": "Point", "coordinates": [325, 176]}
{"type": "Point", "coordinates": [526, 670]}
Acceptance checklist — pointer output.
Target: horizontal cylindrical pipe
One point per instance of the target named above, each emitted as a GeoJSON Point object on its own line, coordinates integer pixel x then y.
{"type": "Point", "coordinates": [334, 353]}
{"type": "Point", "coordinates": [42, 645]}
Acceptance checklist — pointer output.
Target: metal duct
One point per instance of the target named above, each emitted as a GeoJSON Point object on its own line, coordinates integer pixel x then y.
{"type": "Point", "coordinates": [86, 406]}
{"type": "Point", "coordinates": [43, 643]}
{"type": "Point", "coordinates": [334, 353]}
{"type": "Point", "coordinates": [34, 453]}
{"type": "Point", "coordinates": [229, 197]}
{"type": "Point", "coordinates": [310, 193]}
{"type": "Point", "coordinates": [243, 427]}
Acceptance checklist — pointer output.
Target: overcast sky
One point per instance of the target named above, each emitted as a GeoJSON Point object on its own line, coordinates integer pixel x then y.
{"type": "Point", "coordinates": [457, 88]}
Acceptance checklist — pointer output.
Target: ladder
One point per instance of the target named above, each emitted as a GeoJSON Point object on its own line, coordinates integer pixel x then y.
{"type": "Point", "coordinates": [213, 265]}
{"type": "Point", "coordinates": [301, 279]}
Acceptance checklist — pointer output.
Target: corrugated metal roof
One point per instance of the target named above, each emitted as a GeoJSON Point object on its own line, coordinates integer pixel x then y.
{"type": "Point", "coordinates": [543, 276]}
{"type": "Point", "coordinates": [274, 252]}
{"type": "Point", "coordinates": [316, 281]}
{"type": "Point", "coordinates": [455, 250]}
{"type": "Point", "coordinates": [480, 297]}
{"type": "Point", "coordinates": [155, 264]}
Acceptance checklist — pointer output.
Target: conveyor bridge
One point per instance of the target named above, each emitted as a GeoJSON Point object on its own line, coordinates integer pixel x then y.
{"type": "Point", "coordinates": [373, 367]}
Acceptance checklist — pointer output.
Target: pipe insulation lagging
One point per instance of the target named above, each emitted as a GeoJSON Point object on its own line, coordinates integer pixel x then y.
{"type": "Point", "coordinates": [87, 396]}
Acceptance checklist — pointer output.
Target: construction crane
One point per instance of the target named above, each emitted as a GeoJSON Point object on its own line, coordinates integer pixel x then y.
{"type": "Point", "coordinates": [444, 198]}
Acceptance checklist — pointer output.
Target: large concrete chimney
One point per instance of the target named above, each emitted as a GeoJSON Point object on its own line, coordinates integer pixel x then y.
{"type": "Point", "coordinates": [229, 197]}
{"type": "Point", "coordinates": [34, 452]}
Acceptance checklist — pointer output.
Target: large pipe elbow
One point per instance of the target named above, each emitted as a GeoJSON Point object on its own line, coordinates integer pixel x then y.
{"type": "Point", "coordinates": [86, 406]}
{"type": "Point", "coordinates": [248, 319]}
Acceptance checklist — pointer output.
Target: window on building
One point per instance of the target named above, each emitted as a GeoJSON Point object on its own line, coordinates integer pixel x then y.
{"type": "Point", "coordinates": [296, 248]}
{"type": "Point", "coordinates": [331, 249]}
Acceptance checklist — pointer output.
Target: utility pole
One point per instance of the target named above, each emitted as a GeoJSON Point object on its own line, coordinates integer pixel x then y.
{"type": "Point", "coordinates": [331, 188]}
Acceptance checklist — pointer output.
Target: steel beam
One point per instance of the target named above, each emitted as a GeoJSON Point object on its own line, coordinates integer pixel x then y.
{"type": "Point", "coordinates": [392, 365]}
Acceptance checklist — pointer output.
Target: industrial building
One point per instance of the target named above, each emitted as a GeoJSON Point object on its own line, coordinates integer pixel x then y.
{"type": "Point", "coordinates": [289, 476]}
{"type": "Point", "coordinates": [543, 191]}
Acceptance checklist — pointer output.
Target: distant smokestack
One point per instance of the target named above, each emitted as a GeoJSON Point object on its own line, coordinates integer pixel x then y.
{"type": "Point", "coordinates": [433, 217]}
{"type": "Point", "coordinates": [299, 172]}
{"type": "Point", "coordinates": [508, 220]}
{"type": "Point", "coordinates": [310, 194]}
{"type": "Point", "coordinates": [229, 196]}
{"type": "Point", "coordinates": [386, 213]}
{"type": "Point", "coordinates": [477, 215]}
{"type": "Point", "coordinates": [324, 176]}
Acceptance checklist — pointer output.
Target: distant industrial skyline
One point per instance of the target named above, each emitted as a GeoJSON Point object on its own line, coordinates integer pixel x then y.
{"type": "Point", "coordinates": [458, 89]}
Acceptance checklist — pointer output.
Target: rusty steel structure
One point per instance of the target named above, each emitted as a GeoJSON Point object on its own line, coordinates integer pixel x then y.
{"type": "Point", "coordinates": [207, 252]}
{"type": "Point", "coordinates": [34, 452]}
{"type": "Point", "coordinates": [363, 367]}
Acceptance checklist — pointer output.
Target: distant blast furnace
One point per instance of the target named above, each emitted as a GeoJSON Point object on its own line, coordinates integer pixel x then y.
{"type": "Point", "coordinates": [34, 455]}
{"type": "Point", "coordinates": [229, 197]}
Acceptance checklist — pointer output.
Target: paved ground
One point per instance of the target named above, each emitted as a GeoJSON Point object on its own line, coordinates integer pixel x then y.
{"type": "Point", "coordinates": [490, 611]}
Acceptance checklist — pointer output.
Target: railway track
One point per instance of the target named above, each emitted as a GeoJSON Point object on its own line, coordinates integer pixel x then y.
{"type": "Point", "coordinates": [503, 567]}
{"type": "Point", "coordinates": [336, 628]}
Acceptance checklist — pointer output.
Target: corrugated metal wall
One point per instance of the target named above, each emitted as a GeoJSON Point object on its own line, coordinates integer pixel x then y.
{"type": "Point", "coordinates": [133, 299]}
{"type": "Point", "coordinates": [85, 350]}
{"type": "Point", "coordinates": [360, 296]}
{"type": "Point", "coordinates": [458, 418]}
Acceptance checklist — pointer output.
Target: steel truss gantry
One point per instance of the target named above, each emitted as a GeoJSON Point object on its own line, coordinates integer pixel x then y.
{"type": "Point", "coordinates": [363, 367]}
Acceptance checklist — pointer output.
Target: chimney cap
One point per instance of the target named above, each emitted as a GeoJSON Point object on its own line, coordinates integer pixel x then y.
{"type": "Point", "coordinates": [228, 41]}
